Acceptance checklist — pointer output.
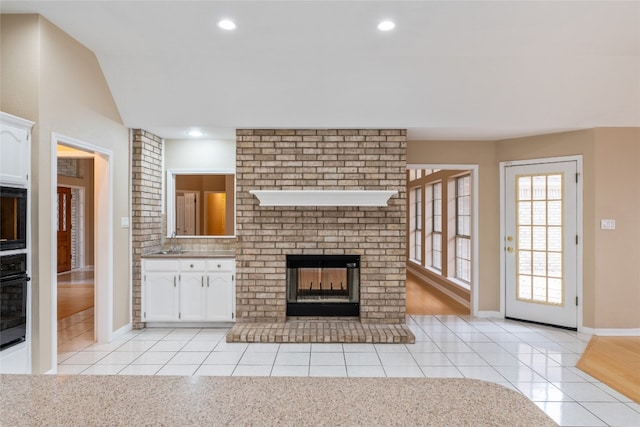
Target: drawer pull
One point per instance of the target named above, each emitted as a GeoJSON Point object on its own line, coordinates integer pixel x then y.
{"type": "Point", "coordinates": [219, 265]}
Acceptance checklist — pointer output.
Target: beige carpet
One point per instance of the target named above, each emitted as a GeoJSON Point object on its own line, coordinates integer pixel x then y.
{"type": "Point", "coordinates": [74, 400]}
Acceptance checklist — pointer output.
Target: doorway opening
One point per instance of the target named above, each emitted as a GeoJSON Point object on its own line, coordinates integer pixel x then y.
{"type": "Point", "coordinates": [81, 217]}
{"type": "Point", "coordinates": [74, 240]}
{"type": "Point", "coordinates": [442, 242]}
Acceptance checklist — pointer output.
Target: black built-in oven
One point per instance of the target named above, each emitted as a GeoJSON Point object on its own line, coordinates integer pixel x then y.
{"type": "Point", "coordinates": [13, 300]}
{"type": "Point", "coordinates": [13, 218]}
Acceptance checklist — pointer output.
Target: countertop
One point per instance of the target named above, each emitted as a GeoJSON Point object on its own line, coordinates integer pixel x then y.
{"type": "Point", "coordinates": [192, 254]}
{"type": "Point", "coordinates": [86, 400]}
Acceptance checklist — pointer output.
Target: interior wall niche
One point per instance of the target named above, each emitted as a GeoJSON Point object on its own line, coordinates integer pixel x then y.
{"type": "Point", "coordinates": [200, 204]}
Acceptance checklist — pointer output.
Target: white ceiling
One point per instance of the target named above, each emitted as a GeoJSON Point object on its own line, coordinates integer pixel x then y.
{"type": "Point", "coordinates": [449, 70]}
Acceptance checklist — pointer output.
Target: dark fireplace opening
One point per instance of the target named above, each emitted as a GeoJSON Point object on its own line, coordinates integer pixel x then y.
{"type": "Point", "coordinates": [323, 285]}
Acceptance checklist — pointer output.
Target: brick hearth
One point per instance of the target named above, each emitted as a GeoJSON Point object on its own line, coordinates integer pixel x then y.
{"type": "Point", "coordinates": [328, 330]}
{"type": "Point", "coordinates": [323, 159]}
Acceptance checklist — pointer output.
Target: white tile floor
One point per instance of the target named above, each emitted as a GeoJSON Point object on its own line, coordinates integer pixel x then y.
{"type": "Point", "coordinates": [537, 361]}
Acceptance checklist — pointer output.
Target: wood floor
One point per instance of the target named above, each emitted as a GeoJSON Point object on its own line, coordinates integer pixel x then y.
{"type": "Point", "coordinates": [616, 362]}
{"type": "Point", "coordinates": [75, 292]}
{"type": "Point", "coordinates": [73, 299]}
{"type": "Point", "coordinates": [424, 299]}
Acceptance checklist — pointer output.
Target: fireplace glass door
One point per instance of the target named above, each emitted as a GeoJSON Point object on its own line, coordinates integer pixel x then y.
{"type": "Point", "coordinates": [323, 285]}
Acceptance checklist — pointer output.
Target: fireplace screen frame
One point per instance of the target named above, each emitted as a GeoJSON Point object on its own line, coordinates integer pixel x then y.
{"type": "Point", "coordinates": [316, 299]}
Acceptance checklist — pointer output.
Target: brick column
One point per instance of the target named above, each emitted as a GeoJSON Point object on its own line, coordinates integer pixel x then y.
{"type": "Point", "coordinates": [146, 207]}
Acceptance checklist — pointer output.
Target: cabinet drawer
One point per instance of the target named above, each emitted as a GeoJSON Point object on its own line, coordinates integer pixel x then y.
{"type": "Point", "coordinates": [192, 265]}
{"type": "Point", "coordinates": [221, 265]}
{"type": "Point", "coordinates": [160, 265]}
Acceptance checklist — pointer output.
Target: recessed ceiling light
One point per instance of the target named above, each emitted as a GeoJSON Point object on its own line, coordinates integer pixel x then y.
{"type": "Point", "coordinates": [227, 24]}
{"type": "Point", "coordinates": [195, 133]}
{"type": "Point", "coordinates": [386, 25]}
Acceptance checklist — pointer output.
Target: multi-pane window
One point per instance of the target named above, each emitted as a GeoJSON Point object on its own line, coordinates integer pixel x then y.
{"type": "Point", "coordinates": [439, 218]}
{"type": "Point", "coordinates": [539, 240]}
{"type": "Point", "coordinates": [463, 228]}
{"type": "Point", "coordinates": [415, 249]}
{"type": "Point", "coordinates": [436, 226]}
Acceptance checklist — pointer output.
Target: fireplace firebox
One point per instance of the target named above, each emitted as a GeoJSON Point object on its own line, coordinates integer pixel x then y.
{"type": "Point", "coordinates": [323, 285]}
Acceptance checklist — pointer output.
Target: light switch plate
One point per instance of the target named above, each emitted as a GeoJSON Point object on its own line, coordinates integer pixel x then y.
{"type": "Point", "coordinates": [607, 224]}
{"type": "Point", "coordinates": [124, 222]}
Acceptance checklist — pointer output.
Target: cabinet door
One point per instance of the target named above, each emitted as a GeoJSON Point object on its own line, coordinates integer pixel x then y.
{"type": "Point", "coordinates": [192, 304]}
{"type": "Point", "coordinates": [14, 150]}
{"type": "Point", "coordinates": [220, 297]}
{"type": "Point", "coordinates": [160, 297]}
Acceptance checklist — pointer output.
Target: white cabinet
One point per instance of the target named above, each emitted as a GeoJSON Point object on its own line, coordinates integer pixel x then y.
{"type": "Point", "coordinates": [15, 134]}
{"type": "Point", "coordinates": [160, 291]}
{"type": "Point", "coordinates": [160, 301]}
{"type": "Point", "coordinates": [220, 297]}
{"type": "Point", "coordinates": [188, 290]}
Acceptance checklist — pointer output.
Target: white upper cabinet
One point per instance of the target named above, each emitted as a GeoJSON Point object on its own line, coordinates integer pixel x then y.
{"type": "Point", "coordinates": [15, 138]}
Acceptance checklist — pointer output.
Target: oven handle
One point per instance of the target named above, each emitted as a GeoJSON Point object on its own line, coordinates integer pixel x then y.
{"type": "Point", "coordinates": [14, 280]}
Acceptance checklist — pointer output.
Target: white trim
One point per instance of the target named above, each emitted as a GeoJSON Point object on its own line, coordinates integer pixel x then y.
{"type": "Point", "coordinates": [460, 283]}
{"type": "Point", "coordinates": [163, 186]}
{"type": "Point", "coordinates": [171, 194]}
{"type": "Point", "coordinates": [149, 325]}
{"type": "Point", "coordinates": [131, 223]}
{"type": "Point", "coordinates": [502, 195]}
{"type": "Point", "coordinates": [103, 230]}
{"type": "Point", "coordinates": [53, 262]}
{"type": "Point", "coordinates": [10, 119]}
{"type": "Point", "coordinates": [439, 287]}
{"type": "Point", "coordinates": [376, 198]}
{"type": "Point", "coordinates": [606, 332]}
{"type": "Point", "coordinates": [486, 314]}
{"type": "Point", "coordinates": [579, 227]}
{"type": "Point", "coordinates": [103, 239]}
{"type": "Point", "coordinates": [122, 331]}
{"type": "Point", "coordinates": [475, 228]}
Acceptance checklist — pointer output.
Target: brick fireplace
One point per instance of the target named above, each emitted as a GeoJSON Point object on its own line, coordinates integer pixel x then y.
{"type": "Point", "coordinates": [320, 159]}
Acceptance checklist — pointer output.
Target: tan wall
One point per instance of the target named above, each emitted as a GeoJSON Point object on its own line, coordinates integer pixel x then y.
{"type": "Point", "coordinates": [72, 99]}
{"type": "Point", "coordinates": [617, 252]}
{"type": "Point", "coordinates": [19, 65]}
{"type": "Point", "coordinates": [611, 279]}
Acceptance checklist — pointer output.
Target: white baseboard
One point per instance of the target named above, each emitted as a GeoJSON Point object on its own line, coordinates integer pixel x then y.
{"type": "Point", "coordinates": [126, 328]}
{"type": "Point", "coordinates": [445, 291]}
{"type": "Point", "coordinates": [189, 324]}
{"type": "Point", "coordinates": [606, 332]}
{"type": "Point", "coordinates": [490, 314]}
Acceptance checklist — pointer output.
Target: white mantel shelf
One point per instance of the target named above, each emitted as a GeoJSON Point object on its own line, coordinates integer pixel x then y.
{"type": "Point", "coordinates": [323, 197]}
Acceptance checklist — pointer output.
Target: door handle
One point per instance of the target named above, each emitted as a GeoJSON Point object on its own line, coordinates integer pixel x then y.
{"type": "Point", "coordinates": [510, 249]}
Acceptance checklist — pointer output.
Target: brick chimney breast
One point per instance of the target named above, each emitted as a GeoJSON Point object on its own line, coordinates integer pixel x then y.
{"type": "Point", "coordinates": [320, 159]}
